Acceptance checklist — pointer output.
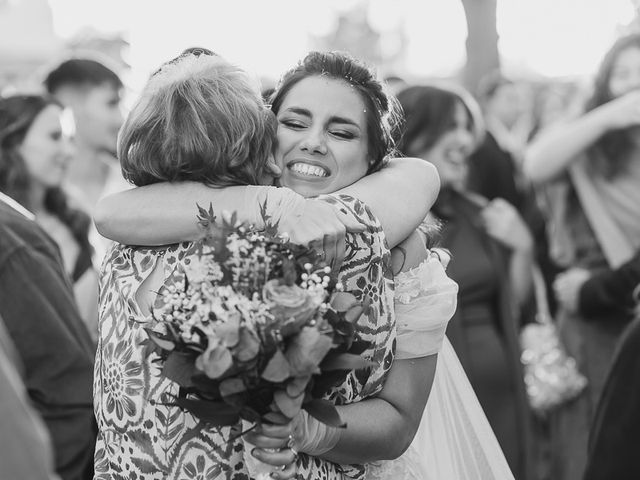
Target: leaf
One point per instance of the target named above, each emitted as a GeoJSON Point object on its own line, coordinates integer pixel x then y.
{"type": "Point", "coordinates": [248, 345]}
{"type": "Point", "coordinates": [163, 343]}
{"type": "Point", "coordinates": [343, 301]}
{"type": "Point", "coordinates": [306, 350]}
{"type": "Point", "coordinates": [345, 361]}
{"type": "Point", "coordinates": [180, 368]}
{"type": "Point", "coordinates": [297, 385]}
{"type": "Point", "coordinates": [278, 369]}
{"type": "Point", "coordinates": [324, 411]}
{"type": "Point", "coordinates": [215, 362]}
{"type": "Point", "coordinates": [229, 331]}
{"type": "Point", "coordinates": [289, 406]}
{"type": "Point", "coordinates": [216, 413]}
{"type": "Point", "coordinates": [232, 386]}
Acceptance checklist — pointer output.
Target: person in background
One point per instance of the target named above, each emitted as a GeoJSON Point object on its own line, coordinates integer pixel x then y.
{"type": "Point", "coordinates": [52, 343]}
{"type": "Point", "coordinates": [92, 92]}
{"type": "Point", "coordinates": [25, 447]}
{"type": "Point", "coordinates": [590, 167]}
{"type": "Point", "coordinates": [491, 250]}
{"type": "Point", "coordinates": [34, 155]}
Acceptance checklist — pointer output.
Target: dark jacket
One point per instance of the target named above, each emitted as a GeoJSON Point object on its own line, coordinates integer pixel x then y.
{"type": "Point", "coordinates": [38, 307]}
{"type": "Point", "coordinates": [614, 442]}
{"type": "Point", "coordinates": [611, 291]}
{"type": "Point", "coordinates": [469, 205]}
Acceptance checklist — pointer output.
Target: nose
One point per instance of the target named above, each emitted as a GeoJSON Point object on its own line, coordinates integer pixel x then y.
{"type": "Point", "coordinates": [314, 142]}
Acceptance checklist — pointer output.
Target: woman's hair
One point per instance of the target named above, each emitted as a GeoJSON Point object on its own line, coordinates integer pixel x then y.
{"type": "Point", "coordinates": [429, 114]}
{"type": "Point", "coordinates": [609, 155]}
{"type": "Point", "coordinates": [201, 119]}
{"type": "Point", "coordinates": [382, 112]}
{"type": "Point", "coordinates": [17, 114]}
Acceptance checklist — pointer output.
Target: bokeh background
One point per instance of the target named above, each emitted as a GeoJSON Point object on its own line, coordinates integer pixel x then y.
{"type": "Point", "coordinates": [537, 40]}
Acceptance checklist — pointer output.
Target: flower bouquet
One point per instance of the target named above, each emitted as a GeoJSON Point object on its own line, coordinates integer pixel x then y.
{"type": "Point", "coordinates": [254, 325]}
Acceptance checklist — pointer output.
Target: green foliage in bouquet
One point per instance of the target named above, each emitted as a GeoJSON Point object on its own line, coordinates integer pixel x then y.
{"type": "Point", "coordinates": [258, 325]}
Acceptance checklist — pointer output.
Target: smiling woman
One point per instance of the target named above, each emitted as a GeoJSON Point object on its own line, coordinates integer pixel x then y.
{"type": "Point", "coordinates": [322, 147]}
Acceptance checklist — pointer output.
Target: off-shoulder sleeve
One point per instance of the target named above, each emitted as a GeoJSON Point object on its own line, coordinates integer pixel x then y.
{"type": "Point", "coordinates": [425, 301]}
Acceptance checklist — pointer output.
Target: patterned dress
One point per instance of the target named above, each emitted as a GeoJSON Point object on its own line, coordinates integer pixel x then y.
{"type": "Point", "coordinates": [141, 437]}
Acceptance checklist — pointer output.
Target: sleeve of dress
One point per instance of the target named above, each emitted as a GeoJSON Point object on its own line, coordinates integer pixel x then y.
{"type": "Point", "coordinates": [425, 301]}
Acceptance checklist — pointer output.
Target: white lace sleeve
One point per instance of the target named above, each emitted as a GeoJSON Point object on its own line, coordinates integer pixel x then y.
{"type": "Point", "coordinates": [425, 301]}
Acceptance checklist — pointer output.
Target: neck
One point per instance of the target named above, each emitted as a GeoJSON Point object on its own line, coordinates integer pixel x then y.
{"type": "Point", "coordinates": [36, 198]}
{"type": "Point", "coordinates": [88, 171]}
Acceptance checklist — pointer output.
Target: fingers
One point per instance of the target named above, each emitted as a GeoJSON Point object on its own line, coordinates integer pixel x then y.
{"type": "Point", "coordinates": [351, 224]}
{"type": "Point", "coordinates": [276, 458]}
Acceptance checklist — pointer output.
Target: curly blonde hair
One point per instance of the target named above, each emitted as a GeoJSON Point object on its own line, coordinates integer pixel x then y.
{"type": "Point", "coordinates": [200, 119]}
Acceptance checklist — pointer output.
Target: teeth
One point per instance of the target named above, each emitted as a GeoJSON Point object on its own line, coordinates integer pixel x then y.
{"type": "Point", "coordinates": [306, 169]}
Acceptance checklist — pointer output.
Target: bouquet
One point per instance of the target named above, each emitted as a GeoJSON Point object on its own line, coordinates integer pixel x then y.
{"type": "Point", "coordinates": [254, 325]}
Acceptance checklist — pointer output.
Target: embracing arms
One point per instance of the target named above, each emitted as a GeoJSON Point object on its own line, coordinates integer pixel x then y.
{"type": "Point", "coordinates": [400, 196]}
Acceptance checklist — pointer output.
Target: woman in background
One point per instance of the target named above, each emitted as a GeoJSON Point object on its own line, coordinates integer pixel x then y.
{"type": "Point", "coordinates": [491, 252]}
{"type": "Point", "coordinates": [590, 167]}
{"type": "Point", "coordinates": [34, 154]}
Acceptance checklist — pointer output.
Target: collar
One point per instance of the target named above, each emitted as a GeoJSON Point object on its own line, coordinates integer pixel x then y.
{"type": "Point", "coordinates": [16, 206]}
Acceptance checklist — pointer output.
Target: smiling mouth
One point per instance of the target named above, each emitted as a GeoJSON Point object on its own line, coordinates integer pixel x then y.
{"type": "Point", "coordinates": [306, 169]}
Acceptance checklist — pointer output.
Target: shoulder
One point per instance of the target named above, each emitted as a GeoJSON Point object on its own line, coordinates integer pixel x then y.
{"type": "Point", "coordinates": [354, 207]}
{"type": "Point", "coordinates": [20, 232]}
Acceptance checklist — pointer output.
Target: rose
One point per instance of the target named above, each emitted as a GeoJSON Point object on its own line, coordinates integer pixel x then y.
{"type": "Point", "coordinates": [290, 303]}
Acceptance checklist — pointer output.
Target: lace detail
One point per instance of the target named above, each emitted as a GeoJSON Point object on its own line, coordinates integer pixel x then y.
{"type": "Point", "coordinates": [426, 299]}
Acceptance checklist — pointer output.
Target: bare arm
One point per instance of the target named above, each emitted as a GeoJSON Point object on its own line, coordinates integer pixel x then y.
{"type": "Point", "coordinates": [554, 149]}
{"type": "Point", "coordinates": [165, 213]}
{"type": "Point", "coordinates": [400, 195]}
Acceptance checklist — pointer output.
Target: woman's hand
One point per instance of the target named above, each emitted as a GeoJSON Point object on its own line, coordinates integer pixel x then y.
{"type": "Point", "coordinates": [323, 227]}
{"type": "Point", "coordinates": [272, 446]}
{"type": "Point", "coordinates": [503, 223]}
{"type": "Point", "coordinates": [567, 287]}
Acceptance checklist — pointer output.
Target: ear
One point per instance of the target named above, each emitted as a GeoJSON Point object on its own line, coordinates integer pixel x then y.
{"type": "Point", "coordinates": [273, 168]}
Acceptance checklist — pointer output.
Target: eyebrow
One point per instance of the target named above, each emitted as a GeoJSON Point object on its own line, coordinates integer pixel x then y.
{"type": "Point", "coordinates": [334, 119]}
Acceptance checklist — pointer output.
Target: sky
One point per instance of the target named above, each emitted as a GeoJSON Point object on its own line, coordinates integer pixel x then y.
{"type": "Point", "coordinates": [548, 37]}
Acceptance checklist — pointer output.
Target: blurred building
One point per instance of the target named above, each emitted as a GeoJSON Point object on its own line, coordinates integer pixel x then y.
{"type": "Point", "coordinates": [30, 47]}
{"type": "Point", "coordinates": [27, 41]}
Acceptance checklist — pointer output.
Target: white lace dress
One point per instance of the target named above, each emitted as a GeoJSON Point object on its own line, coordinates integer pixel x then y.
{"type": "Point", "coordinates": [454, 440]}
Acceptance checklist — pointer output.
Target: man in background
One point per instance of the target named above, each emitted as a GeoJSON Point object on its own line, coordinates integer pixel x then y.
{"type": "Point", "coordinates": [92, 92]}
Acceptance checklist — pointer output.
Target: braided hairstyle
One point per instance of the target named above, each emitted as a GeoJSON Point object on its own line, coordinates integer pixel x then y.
{"type": "Point", "coordinates": [383, 115]}
{"type": "Point", "coordinates": [17, 114]}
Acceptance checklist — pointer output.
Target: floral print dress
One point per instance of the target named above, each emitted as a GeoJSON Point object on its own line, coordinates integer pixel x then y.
{"type": "Point", "coordinates": [143, 437]}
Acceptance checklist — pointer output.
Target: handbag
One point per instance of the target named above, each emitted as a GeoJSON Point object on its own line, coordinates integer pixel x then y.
{"type": "Point", "coordinates": [551, 376]}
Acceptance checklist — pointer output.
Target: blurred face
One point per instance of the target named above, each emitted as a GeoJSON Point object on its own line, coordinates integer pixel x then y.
{"type": "Point", "coordinates": [508, 103]}
{"type": "Point", "coordinates": [45, 149]}
{"type": "Point", "coordinates": [322, 137]}
{"type": "Point", "coordinates": [449, 154]}
{"type": "Point", "coordinates": [625, 74]}
{"type": "Point", "coordinates": [99, 118]}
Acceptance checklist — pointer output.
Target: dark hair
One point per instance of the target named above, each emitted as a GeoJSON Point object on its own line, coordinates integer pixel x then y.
{"type": "Point", "coordinates": [609, 155]}
{"type": "Point", "coordinates": [429, 112]}
{"type": "Point", "coordinates": [80, 72]}
{"type": "Point", "coordinates": [17, 114]}
{"type": "Point", "coordinates": [199, 118]}
{"type": "Point", "coordinates": [382, 112]}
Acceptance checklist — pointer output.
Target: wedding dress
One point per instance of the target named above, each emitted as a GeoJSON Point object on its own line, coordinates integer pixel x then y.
{"type": "Point", "coordinates": [454, 440]}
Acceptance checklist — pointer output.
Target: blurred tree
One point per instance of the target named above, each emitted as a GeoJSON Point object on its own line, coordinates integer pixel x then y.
{"type": "Point", "coordinates": [482, 41]}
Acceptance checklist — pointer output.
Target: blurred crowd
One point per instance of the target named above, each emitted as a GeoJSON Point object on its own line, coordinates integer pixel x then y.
{"type": "Point", "coordinates": [539, 207]}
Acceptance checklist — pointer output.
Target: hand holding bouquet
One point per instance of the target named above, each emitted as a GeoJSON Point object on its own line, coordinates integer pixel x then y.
{"type": "Point", "coordinates": [254, 328]}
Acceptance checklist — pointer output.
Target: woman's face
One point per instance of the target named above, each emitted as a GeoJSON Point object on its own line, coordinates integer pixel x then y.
{"type": "Point", "coordinates": [45, 150]}
{"type": "Point", "coordinates": [625, 74]}
{"type": "Point", "coordinates": [450, 153]}
{"type": "Point", "coordinates": [322, 137]}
